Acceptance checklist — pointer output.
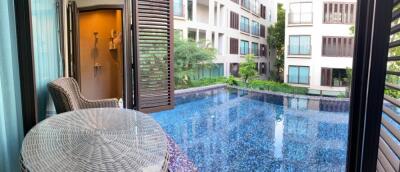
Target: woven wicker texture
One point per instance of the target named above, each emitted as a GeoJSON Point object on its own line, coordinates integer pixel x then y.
{"type": "Point", "coordinates": [105, 139]}
{"type": "Point", "coordinates": [67, 97]}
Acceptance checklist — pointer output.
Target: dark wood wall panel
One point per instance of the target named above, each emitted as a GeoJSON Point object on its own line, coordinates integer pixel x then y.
{"type": "Point", "coordinates": [155, 86]}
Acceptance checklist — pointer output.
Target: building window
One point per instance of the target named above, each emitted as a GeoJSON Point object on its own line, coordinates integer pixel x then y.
{"type": "Point", "coordinates": [255, 28]}
{"type": "Point", "coordinates": [190, 10]}
{"type": "Point", "coordinates": [300, 13]}
{"type": "Point", "coordinates": [245, 4]}
{"type": "Point", "coordinates": [299, 75]}
{"type": "Point", "coordinates": [337, 46]}
{"type": "Point", "coordinates": [263, 50]}
{"type": "Point", "coordinates": [178, 33]}
{"type": "Point", "coordinates": [254, 49]}
{"type": "Point", "coordinates": [333, 77]}
{"type": "Point", "coordinates": [263, 69]}
{"type": "Point", "coordinates": [234, 20]}
{"type": "Point", "coordinates": [234, 69]}
{"type": "Point", "coordinates": [244, 24]}
{"type": "Point", "coordinates": [178, 8]}
{"type": "Point", "coordinates": [300, 45]}
{"type": "Point", "coordinates": [234, 46]}
{"type": "Point", "coordinates": [270, 16]}
{"type": "Point", "coordinates": [216, 70]}
{"type": "Point", "coordinates": [244, 47]}
{"type": "Point", "coordinates": [235, 1]}
{"type": "Point", "coordinates": [339, 13]}
{"type": "Point", "coordinates": [192, 35]}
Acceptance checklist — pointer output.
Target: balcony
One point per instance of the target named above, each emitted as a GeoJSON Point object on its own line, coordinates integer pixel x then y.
{"type": "Point", "coordinates": [217, 124]}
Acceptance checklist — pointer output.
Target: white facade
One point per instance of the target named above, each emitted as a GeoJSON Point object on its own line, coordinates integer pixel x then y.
{"type": "Point", "coordinates": [318, 29]}
{"type": "Point", "coordinates": [211, 21]}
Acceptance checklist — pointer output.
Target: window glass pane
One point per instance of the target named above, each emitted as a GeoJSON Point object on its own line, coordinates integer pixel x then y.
{"type": "Point", "coordinates": [293, 45]}
{"type": "Point", "coordinates": [190, 9]}
{"type": "Point", "coordinates": [293, 74]}
{"type": "Point", "coordinates": [305, 47]}
{"type": "Point", "coordinates": [294, 8]}
{"type": "Point", "coordinates": [304, 75]}
{"type": "Point", "coordinates": [246, 47]}
{"type": "Point", "coordinates": [255, 49]}
{"type": "Point", "coordinates": [244, 24]}
{"type": "Point", "coordinates": [178, 8]}
{"type": "Point", "coordinates": [306, 8]}
{"type": "Point", "coordinates": [294, 13]}
{"type": "Point", "coordinates": [242, 47]}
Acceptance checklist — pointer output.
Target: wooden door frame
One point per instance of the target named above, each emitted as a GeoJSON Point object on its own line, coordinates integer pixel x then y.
{"type": "Point", "coordinates": [127, 61]}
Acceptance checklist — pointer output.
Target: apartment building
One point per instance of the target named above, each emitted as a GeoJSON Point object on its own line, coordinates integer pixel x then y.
{"type": "Point", "coordinates": [234, 27]}
{"type": "Point", "coordinates": [319, 44]}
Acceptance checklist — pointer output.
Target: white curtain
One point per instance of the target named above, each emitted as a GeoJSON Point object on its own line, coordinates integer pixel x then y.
{"type": "Point", "coordinates": [47, 54]}
{"type": "Point", "coordinates": [11, 131]}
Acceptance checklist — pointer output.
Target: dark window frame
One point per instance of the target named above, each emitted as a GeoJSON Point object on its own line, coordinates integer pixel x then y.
{"type": "Point", "coordinates": [298, 76]}
{"type": "Point", "coordinates": [300, 13]}
{"type": "Point", "coordinates": [245, 27]}
{"type": "Point", "coordinates": [255, 52]}
{"type": "Point", "coordinates": [300, 54]}
{"type": "Point", "coordinates": [248, 47]}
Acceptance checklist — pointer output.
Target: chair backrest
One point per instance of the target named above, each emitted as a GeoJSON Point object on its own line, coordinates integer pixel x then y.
{"type": "Point", "coordinates": [65, 93]}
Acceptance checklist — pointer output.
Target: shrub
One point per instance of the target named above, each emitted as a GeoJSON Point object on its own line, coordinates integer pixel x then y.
{"type": "Point", "coordinates": [276, 87]}
{"type": "Point", "coordinates": [247, 70]}
{"type": "Point", "coordinates": [232, 81]}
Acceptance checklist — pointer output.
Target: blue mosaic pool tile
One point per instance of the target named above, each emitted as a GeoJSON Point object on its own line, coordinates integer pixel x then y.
{"type": "Point", "coordinates": [236, 130]}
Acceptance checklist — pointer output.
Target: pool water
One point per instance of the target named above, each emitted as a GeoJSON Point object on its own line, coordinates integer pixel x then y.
{"type": "Point", "coordinates": [236, 130]}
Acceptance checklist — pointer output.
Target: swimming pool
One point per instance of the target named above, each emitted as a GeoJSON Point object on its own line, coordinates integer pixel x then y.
{"type": "Point", "coordinates": [227, 129]}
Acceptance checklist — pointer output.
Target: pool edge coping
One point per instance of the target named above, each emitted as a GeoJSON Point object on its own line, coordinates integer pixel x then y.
{"type": "Point", "coordinates": [216, 86]}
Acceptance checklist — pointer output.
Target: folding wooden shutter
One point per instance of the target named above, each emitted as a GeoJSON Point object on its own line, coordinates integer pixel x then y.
{"type": "Point", "coordinates": [234, 46]}
{"type": "Point", "coordinates": [154, 86]}
{"type": "Point", "coordinates": [234, 20]}
{"type": "Point", "coordinates": [326, 77]}
{"type": "Point", "coordinates": [262, 30]}
{"type": "Point", "coordinates": [389, 147]}
{"type": "Point", "coordinates": [262, 11]}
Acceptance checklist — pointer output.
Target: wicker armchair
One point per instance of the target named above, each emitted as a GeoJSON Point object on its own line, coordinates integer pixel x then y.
{"type": "Point", "coordinates": [67, 97]}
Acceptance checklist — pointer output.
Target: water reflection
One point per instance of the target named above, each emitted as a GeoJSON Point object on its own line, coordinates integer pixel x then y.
{"type": "Point", "coordinates": [231, 130]}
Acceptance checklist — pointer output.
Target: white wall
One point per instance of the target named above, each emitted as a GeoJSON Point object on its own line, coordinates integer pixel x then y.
{"type": "Point", "coordinates": [317, 30]}
{"type": "Point", "coordinates": [202, 13]}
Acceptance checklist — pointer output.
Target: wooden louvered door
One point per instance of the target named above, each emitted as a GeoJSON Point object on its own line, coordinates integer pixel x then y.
{"type": "Point", "coordinates": [153, 59]}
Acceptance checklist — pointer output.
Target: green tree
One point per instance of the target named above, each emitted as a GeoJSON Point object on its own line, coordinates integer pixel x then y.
{"type": "Point", "coordinates": [276, 39]}
{"type": "Point", "coordinates": [190, 56]}
{"type": "Point", "coordinates": [247, 70]}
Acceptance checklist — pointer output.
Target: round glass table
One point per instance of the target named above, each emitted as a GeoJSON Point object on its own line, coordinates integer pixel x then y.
{"type": "Point", "coordinates": [96, 140]}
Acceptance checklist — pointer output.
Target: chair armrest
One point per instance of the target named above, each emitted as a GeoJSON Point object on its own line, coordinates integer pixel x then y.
{"type": "Point", "coordinates": [105, 103]}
